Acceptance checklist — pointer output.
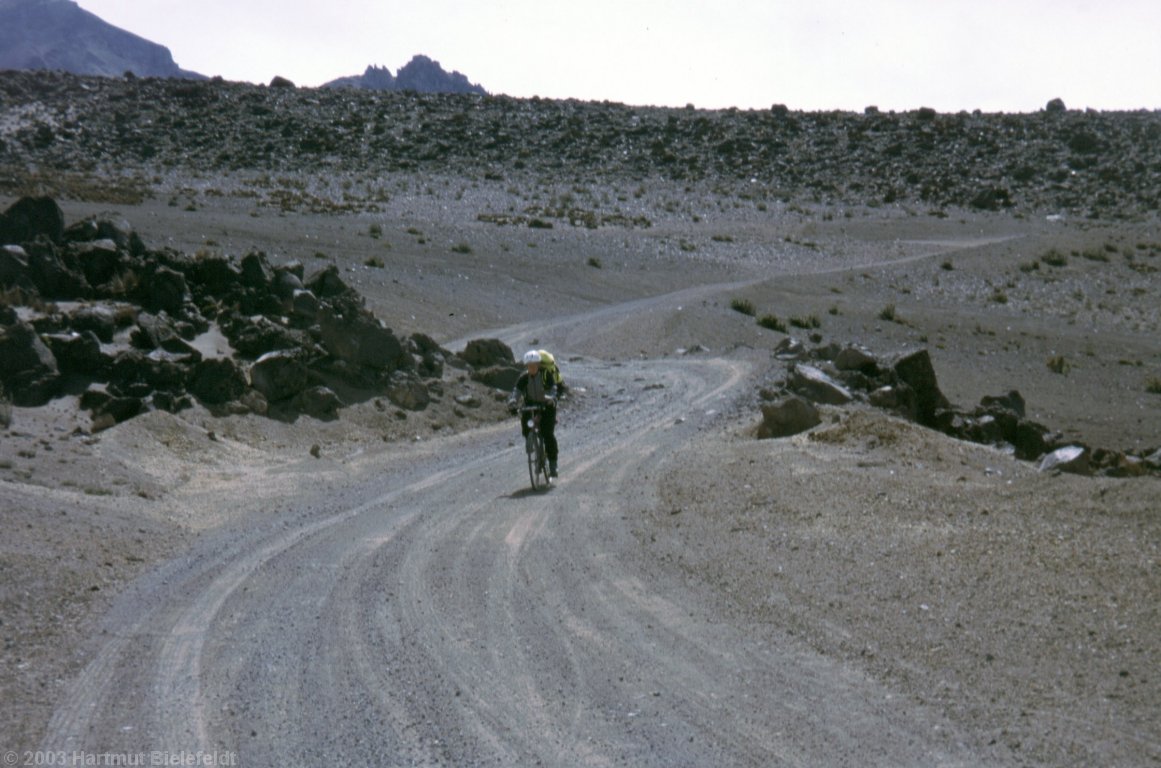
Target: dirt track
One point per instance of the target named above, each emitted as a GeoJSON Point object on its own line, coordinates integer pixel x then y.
{"type": "Point", "coordinates": [869, 594]}
{"type": "Point", "coordinates": [437, 612]}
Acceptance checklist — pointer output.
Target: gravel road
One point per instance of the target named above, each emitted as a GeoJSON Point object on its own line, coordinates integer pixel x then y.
{"type": "Point", "coordinates": [438, 611]}
{"type": "Point", "coordinates": [870, 593]}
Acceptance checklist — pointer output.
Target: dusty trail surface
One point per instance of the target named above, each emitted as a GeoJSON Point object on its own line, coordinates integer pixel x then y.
{"type": "Point", "coordinates": [437, 612]}
{"type": "Point", "coordinates": [382, 588]}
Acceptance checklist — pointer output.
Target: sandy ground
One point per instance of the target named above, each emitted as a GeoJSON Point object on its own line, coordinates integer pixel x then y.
{"type": "Point", "coordinates": [1021, 606]}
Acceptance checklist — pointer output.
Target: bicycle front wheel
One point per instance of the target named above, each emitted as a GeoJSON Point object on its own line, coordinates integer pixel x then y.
{"type": "Point", "coordinates": [530, 450]}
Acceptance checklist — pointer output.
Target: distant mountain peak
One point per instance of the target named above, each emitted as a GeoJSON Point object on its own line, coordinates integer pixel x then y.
{"type": "Point", "coordinates": [59, 34]}
{"type": "Point", "coordinates": [422, 74]}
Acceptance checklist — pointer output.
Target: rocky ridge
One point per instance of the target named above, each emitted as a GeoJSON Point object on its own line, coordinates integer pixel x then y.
{"type": "Point", "coordinates": [906, 386]}
{"type": "Point", "coordinates": [89, 309]}
{"type": "Point", "coordinates": [421, 75]}
{"type": "Point", "coordinates": [63, 131]}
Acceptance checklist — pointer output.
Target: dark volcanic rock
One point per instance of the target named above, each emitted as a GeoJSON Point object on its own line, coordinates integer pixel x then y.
{"type": "Point", "coordinates": [813, 384]}
{"type": "Point", "coordinates": [786, 417]}
{"type": "Point", "coordinates": [217, 380]}
{"type": "Point", "coordinates": [14, 267]}
{"type": "Point", "coordinates": [29, 373]}
{"type": "Point", "coordinates": [78, 353]}
{"type": "Point", "coordinates": [907, 387]}
{"type": "Point", "coordinates": [279, 375]}
{"type": "Point", "coordinates": [488, 352]}
{"type": "Point", "coordinates": [1070, 161]}
{"type": "Point", "coordinates": [29, 218]}
{"type": "Point", "coordinates": [916, 371]}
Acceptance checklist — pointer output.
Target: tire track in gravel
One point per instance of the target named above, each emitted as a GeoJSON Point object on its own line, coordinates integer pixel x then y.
{"type": "Point", "coordinates": [439, 613]}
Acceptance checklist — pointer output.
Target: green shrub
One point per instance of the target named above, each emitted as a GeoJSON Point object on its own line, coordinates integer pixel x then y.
{"type": "Point", "coordinates": [1057, 364]}
{"type": "Point", "coordinates": [888, 313]}
{"type": "Point", "coordinates": [745, 306]}
{"type": "Point", "coordinates": [809, 321]}
{"type": "Point", "coordinates": [594, 262]}
{"type": "Point", "coordinates": [461, 248]}
{"type": "Point", "coordinates": [1153, 385]}
{"type": "Point", "coordinates": [1054, 258]}
{"type": "Point", "coordinates": [374, 261]}
{"type": "Point", "coordinates": [772, 322]}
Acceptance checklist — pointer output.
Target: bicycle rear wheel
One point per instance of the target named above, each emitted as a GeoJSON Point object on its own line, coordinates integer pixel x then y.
{"type": "Point", "coordinates": [537, 467]}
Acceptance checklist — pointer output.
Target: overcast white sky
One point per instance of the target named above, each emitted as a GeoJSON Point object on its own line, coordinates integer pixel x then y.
{"type": "Point", "coordinates": [993, 55]}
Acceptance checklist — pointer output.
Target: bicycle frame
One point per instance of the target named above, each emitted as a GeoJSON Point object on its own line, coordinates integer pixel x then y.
{"type": "Point", "coordinates": [534, 446]}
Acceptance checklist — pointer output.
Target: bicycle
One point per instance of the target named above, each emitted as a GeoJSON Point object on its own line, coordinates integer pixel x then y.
{"type": "Point", "coordinates": [534, 447]}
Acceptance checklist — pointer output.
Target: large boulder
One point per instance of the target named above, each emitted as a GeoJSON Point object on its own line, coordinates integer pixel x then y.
{"type": "Point", "coordinates": [287, 280]}
{"type": "Point", "coordinates": [483, 353]}
{"type": "Point", "coordinates": [217, 380]}
{"type": "Point", "coordinates": [214, 274]}
{"type": "Point", "coordinates": [108, 409]}
{"type": "Point", "coordinates": [813, 384]}
{"type": "Point", "coordinates": [29, 218]}
{"type": "Point", "coordinates": [853, 358]}
{"type": "Point", "coordinates": [279, 375]}
{"type": "Point", "coordinates": [256, 270]}
{"type": "Point", "coordinates": [408, 392]}
{"type": "Point", "coordinates": [99, 260]}
{"type": "Point", "coordinates": [1073, 459]}
{"type": "Point", "coordinates": [165, 290]}
{"type": "Point", "coordinates": [327, 283]}
{"type": "Point", "coordinates": [429, 356]}
{"type": "Point", "coordinates": [786, 417]}
{"type": "Point", "coordinates": [138, 374]}
{"type": "Point", "coordinates": [29, 373]}
{"type": "Point", "coordinates": [254, 336]}
{"type": "Point", "coordinates": [361, 341]}
{"type": "Point", "coordinates": [116, 231]}
{"type": "Point", "coordinates": [14, 270]}
{"type": "Point", "coordinates": [320, 402]}
{"type": "Point", "coordinates": [53, 275]}
{"type": "Point", "coordinates": [1031, 440]}
{"type": "Point", "coordinates": [98, 318]}
{"type": "Point", "coordinates": [497, 376]}
{"type": "Point", "coordinates": [790, 348]}
{"type": "Point", "coordinates": [78, 353]}
{"type": "Point", "coordinates": [1013, 401]}
{"type": "Point", "coordinates": [915, 370]}
{"type": "Point", "coordinates": [304, 305]}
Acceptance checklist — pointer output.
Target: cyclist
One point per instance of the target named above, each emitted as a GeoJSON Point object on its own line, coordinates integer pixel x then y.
{"type": "Point", "coordinates": [537, 384]}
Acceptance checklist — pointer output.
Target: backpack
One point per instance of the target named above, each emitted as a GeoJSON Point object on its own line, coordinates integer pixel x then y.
{"type": "Point", "coordinates": [548, 363]}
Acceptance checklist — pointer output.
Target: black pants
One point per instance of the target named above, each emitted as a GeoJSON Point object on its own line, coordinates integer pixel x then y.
{"type": "Point", "coordinates": [547, 431]}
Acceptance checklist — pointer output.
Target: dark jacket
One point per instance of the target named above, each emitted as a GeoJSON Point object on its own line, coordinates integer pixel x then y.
{"type": "Point", "coordinates": [525, 383]}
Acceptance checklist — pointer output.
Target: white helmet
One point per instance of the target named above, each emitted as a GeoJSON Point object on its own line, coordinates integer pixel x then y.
{"type": "Point", "coordinates": [531, 356]}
